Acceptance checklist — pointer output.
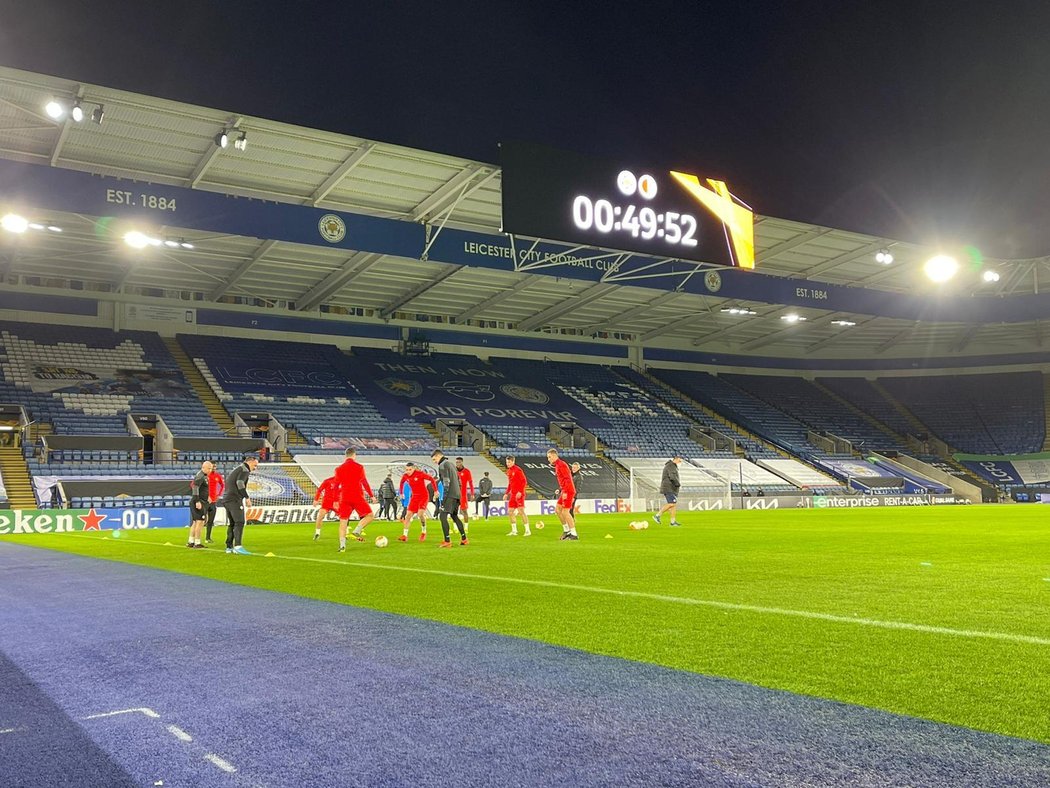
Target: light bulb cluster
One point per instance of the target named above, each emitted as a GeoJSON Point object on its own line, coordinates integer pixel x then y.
{"type": "Point", "coordinates": [18, 224]}
{"type": "Point", "coordinates": [139, 240]}
{"type": "Point", "coordinates": [222, 140]}
{"type": "Point", "coordinates": [57, 109]}
{"type": "Point", "coordinates": [733, 310]}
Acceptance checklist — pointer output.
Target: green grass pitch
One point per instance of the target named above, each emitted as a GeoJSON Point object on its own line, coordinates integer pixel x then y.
{"type": "Point", "coordinates": [941, 613]}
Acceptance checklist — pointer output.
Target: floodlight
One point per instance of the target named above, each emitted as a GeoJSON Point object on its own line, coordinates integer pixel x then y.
{"type": "Point", "coordinates": [222, 139]}
{"type": "Point", "coordinates": [940, 268]}
{"type": "Point", "coordinates": [136, 240]}
{"type": "Point", "coordinates": [990, 276]}
{"type": "Point", "coordinates": [54, 109]}
{"type": "Point", "coordinates": [77, 113]}
{"type": "Point", "coordinates": [242, 143]}
{"type": "Point", "coordinates": [54, 228]}
{"type": "Point", "coordinates": [14, 223]}
{"type": "Point", "coordinates": [883, 256]}
{"type": "Point", "coordinates": [792, 318]}
{"type": "Point", "coordinates": [97, 114]}
{"type": "Point", "coordinates": [843, 323]}
{"type": "Point", "coordinates": [185, 245]}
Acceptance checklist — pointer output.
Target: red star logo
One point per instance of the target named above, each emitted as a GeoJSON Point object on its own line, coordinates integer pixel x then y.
{"type": "Point", "coordinates": [91, 520]}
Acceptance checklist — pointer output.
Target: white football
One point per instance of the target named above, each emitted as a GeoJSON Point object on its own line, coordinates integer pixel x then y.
{"type": "Point", "coordinates": [539, 525]}
{"type": "Point", "coordinates": [381, 541]}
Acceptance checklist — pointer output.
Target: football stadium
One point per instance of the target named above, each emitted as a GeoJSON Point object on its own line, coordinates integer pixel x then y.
{"type": "Point", "coordinates": [726, 498]}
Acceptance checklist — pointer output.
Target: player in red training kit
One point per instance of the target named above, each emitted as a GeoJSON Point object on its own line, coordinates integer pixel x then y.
{"type": "Point", "coordinates": [354, 494]}
{"type": "Point", "coordinates": [466, 488]}
{"type": "Point", "coordinates": [515, 497]}
{"type": "Point", "coordinates": [325, 500]}
{"type": "Point", "coordinates": [566, 495]}
{"type": "Point", "coordinates": [216, 487]}
{"type": "Point", "coordinates": [418, 498]}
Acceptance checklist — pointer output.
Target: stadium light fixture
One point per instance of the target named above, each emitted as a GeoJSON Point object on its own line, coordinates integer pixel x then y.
{"type": "Point", "coordinates": [883, 256]}
{"type": "Point", "coordinates": [186, 245]}
{"type": "Point", "coordinates": [792, 318]}
{"type": "Point", "coordinates": [54, 228]}
{"type": "Point", "coordinates": [54, 109]}
{"type": "Point", "coordinates": [242, 143]}
{"type": "Point", "coordinates": [222, 139]}
{"type": "Point", "coordinates": [990, 276]}
{"type": "Point", "coordinates": [97, 114]}
{"type": "Point", "coordinates": [14, 223]}
{"type": "Point", "coordinates": [940, 268]}
{"type": "Point", "coordinates": [77, 113]}
{"type": "Point", "coordinates": [734, 310]}
{"type": "Point", "coordinates": [843, 323]}
{"type": "Point", "coordinates": [136, 240]}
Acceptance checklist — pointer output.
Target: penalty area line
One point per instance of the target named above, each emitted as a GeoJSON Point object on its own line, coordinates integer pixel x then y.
{"type": "Point", "coordinates": [927, 629]}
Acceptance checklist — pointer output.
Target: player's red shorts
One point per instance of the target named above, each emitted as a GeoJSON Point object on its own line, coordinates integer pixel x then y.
{"type": "Point", "coordinates": [349, 505]}
{"type": "Point", "coordinates": [417, 504]}
{"type": "Point", "coordinates": [515, 498]}
{"type": "Point", "coordinates": [565, 500]}
{"type": "Point", "coordinates": [327, 504]}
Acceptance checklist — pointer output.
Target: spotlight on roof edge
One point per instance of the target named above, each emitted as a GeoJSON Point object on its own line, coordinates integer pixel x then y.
{"type": "Point", "coordinates": [883, 256]}
{"type": "Point", "coordinates": [990, 276]}
{"type": "Point", "coordinates": [940, 268]}
{"type": "Point", "coordinates": [242, 143]}
{"type": "Point", "coordinates": [97, 114]}
{"type": "Point", "coordinates": [792, 318]}
{"type": "Point", "coordinates": [14, 223]}
{"type": "Point", "coordinates": [77, 113]}
{"type": "Point", "coordinates": [54, 109]}
{"type": "Point", "coordinates": [733, 310]}
{"type": "Point", "coordinates": [222, 139]}
{"type": "Point", "coordinates": [844, 323]}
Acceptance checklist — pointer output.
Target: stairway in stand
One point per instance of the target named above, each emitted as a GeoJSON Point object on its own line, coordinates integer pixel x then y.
{"type": "Point", "coordinates": [16, 478]}
{"type": "Point", "coordinates": [200, 386]}
{"type": "Point", "coordinates": [1046, 411]}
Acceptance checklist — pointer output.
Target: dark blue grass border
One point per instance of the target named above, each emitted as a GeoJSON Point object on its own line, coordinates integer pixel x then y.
{"type": "Point", "coordinates": [295, 692]}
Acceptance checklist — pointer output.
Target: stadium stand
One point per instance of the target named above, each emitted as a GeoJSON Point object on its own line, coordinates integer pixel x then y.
{"type": "Point", "coordinates": [306, 386]}
{"type": "Point", "coordinates": [88, 386]}
{"type": "Point", "coordinates": [863, 394]}
{"type": "Point", "coordinates": [997, 413]}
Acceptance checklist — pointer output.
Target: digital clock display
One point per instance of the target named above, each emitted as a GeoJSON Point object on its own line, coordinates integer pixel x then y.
{"type": "Point", "coordinates": [566, 197]}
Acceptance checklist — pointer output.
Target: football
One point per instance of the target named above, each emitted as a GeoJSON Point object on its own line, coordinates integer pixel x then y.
{"type": "Point", "coordinates": [381, 541]}
{"type": "Point", "coordinates": [539, 525]}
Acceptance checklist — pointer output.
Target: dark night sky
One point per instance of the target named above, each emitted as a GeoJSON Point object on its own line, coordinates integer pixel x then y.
{"type": "Point", "coordinates": [925, 121]}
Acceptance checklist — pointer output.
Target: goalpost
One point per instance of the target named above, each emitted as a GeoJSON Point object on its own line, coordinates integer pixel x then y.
{"type": "Point", "coordinates": [646, 495]}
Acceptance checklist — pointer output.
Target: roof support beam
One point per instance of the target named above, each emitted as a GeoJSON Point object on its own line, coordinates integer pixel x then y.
{"type": "Point", "coordinates": [790, 243]}
{"type": "Point", "coordinates": [493, 300]}
{"type": "Point", "coordinates": [843, 259]}
{"type": "Point", "coordinates": [671, 325]}
{"type": "Point", "coordinates": [335, 281]}
{"type": "Point", "coordinates": [449, 191]}
{"type": "Point", "coordinates": [624, 317]}
{"type": "Point", "coordinates": [223, 288]}
{"type": "Point", "coordinates": [965, 337]}
{"type": "Point", "coordinates": [836, 336]}
{"type": "Point", "coordinates": [588, 296]}
{"type": "Point", "coordinates": [417, 291]}
{"type": "Point", "coordinates": [775, 336]}
{"type": "Point", "coordinates": [210, 155]}
{"type": "Point", "coordinates": [898, 337]}
{"type": "Point", "coordinates": [340, 172]}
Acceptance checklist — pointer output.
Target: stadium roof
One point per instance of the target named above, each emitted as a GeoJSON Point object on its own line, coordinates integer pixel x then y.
{"type": "Point", "coordinates": [166, 142]}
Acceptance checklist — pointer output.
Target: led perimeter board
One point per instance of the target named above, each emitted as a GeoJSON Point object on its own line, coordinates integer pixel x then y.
{"type": "Point", "coordinates": [562, 196]}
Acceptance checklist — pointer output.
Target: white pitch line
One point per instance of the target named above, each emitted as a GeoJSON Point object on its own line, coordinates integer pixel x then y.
{"type": "Point", "coordinates": [927, 629]}
{"type": "Point", "coordinates": [226, 766]}
{"type": "Point", "coordinates": [147, 712]}
{"type": "Point", "coordinates": [11, 730]}
{"type": "Point", "coordinates": [179, 733]}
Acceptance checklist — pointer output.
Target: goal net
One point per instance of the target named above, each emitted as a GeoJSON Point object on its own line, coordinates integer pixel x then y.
{"type": "Point", "coordinates": [699, 492]}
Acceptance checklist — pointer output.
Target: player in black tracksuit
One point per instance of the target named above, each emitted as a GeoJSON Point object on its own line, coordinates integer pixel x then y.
{"type": "Point", "coordinates": [235, 500]}
{"type": "Point", "coordinates": [449, 479]}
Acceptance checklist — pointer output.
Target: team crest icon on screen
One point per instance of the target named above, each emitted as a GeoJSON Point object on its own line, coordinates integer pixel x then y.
{"type": "Point", "coordinates": [332, 228]}
{"type": "Point", "coordinates": [525, 394]}
{"type": "Point", "coordinates": [713, 281]}
{"type": "Point", "coordinates": [400, 387]}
